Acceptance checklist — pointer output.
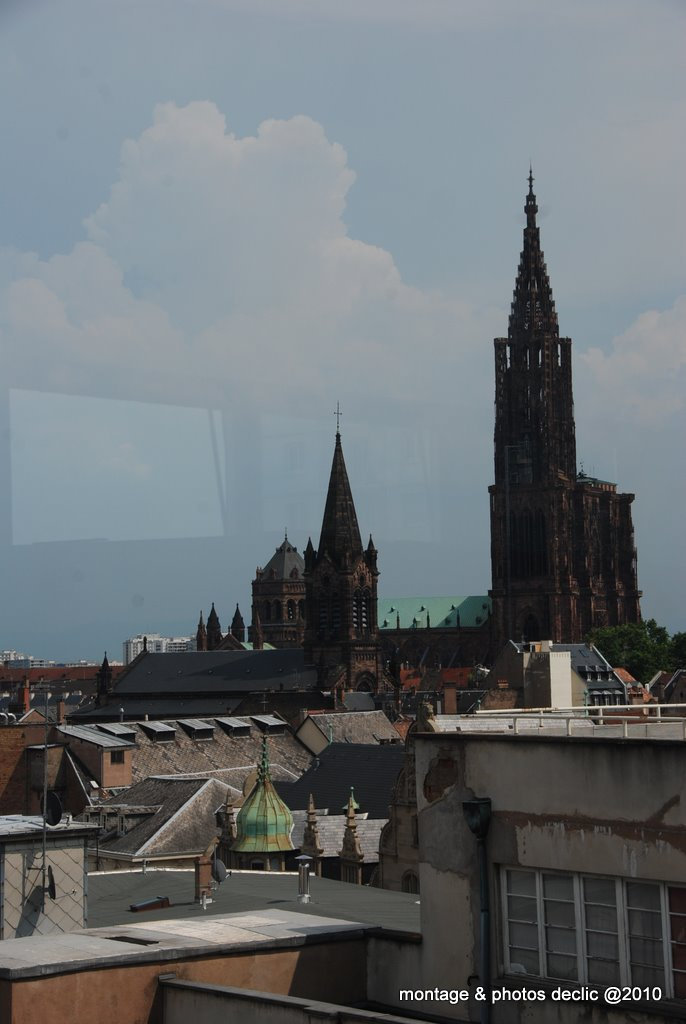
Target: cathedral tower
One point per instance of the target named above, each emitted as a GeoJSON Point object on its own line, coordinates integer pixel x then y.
{"type": "Point", "coordinates": [562, 550]}
{"type": "Point", "coordinates": [341, 631]}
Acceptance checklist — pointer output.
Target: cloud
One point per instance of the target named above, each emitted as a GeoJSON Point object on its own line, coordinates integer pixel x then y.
{"type": "Point", "coordinates": [643, 376]}
{"type": "Point", "coordinates": [220, 269]}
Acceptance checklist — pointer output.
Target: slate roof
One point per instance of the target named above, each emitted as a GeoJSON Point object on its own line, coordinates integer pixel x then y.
{"type": "Point", "coordinates": [283, 563]}
{"type": "Point", "coordinates": [355, 727]}
{"type": "Point", "coordinates": [183, 822]}
{"type": "Point", "coordinates": [442, 611]}
{"type": "Point", "coordinates": [370, 768]}
{"type": "Point", "coordinates": [331, 828]}
{"type": "Point", "coordinates": [213, 672]}
{"type": "Point", "coordinates": [225, 755]}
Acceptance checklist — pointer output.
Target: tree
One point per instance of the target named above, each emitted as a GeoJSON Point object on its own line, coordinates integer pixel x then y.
{"type": "Point", "coordinates": [643, 648]}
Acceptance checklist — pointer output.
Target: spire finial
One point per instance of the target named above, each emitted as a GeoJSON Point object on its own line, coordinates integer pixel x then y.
{"type": "Point", "coordinates": [531, 179]}
{"type": "Point", "coordinates": [338, 415]}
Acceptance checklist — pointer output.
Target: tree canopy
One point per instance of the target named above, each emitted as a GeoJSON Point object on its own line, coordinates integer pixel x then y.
{"type": "Point", "coordinates": [643, 648]}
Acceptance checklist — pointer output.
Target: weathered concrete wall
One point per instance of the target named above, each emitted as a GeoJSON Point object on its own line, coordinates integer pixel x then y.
{"type": "Point", "coordinates": [24, 911]}
{"type": "Point", "coordinates": [129, 995]}
{"type": "Point", "coordinates": [615, 807]}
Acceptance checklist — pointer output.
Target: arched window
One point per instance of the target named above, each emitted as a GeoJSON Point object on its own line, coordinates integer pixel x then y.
{"type": "Point", "coordinates": [301, 609]}
{"type": "Point", "coordinates": [267, 611]}
{"type": "Point", "coordinates": [365, 610]}
{"type": "Point", "coordinates": [276, 611]}
{"type": "Point", "coordinates": [290, 610]}
{"type": "Point", "coordinates": [410, 882]}
{"type": "Point", "coordinates": [357, 611]}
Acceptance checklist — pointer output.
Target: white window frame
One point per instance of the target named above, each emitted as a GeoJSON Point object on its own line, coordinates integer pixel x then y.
{"type": "Point", "coordinates": [623, 945]}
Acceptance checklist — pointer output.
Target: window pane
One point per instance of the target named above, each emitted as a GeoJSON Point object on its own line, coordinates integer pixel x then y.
{"type": "Point", "coordinates": [559, 913]}
{"type": "Point", "coordinates": [560, 940]}
{"type": "Point", "coordinates": [679, 957]}
{"type": "Point", "coordinates": [603, 972]}
{"type": "Point", "coordinates": [678, 927]}
{"type": "Point", "coordinates": [680, 985]}
{"type": "Point", "coordinates": [521, 908]}
{"type": "Point", "coordinates": [562, 967]}
{"type": "Point", "coordinates": [643, 895]}
{"type": "Point", "coordinates": [558, 887]}
{"type": "Point", "coordinates": [524, 961]}
{"type": "Point", "coordinates": [600, 890]}
{"type": "Point", "coordinates": [646, 951]}
{"type": "Point", "coordinates": [522, 883]}
{"type": "Point", "coordinates": [601, 945]}
{"type": "Point", "coordinates": [677, 900]}
{"type": "Point", "coordinates": [602, 919]}
{"type": "Point", "coordinates": [525, 936]}
{"type": "Point", "coordinates": [645, 923]}
{"type": "Point", "coordinates": [647, 976]}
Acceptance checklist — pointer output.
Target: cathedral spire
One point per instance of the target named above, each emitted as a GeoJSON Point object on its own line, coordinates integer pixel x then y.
{"type": "Point", "coordinates": [533, 307]}
{"type": "Point", "coordinates": [340, 536]}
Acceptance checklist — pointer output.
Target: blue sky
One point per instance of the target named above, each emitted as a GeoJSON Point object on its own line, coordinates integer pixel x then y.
{"type": "Point", "coordinates": [262, 208]}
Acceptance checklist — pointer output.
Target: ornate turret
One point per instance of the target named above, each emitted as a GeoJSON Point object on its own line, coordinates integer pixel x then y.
{"type": "Point", "coordinates": [311, 845]}
{"type": "Point", "coordinates": [104, 681]}
{"type": "Point", "coordinates": [351, 854]}
{"type": "Point", "coordinates": [278, 591]}
{"type": "Point", "coordinates": [264, 824]}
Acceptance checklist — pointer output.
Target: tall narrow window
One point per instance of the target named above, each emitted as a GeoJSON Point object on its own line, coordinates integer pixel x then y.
{"type": "Point", "coordinates": [677, 931]}
{"type": "Point", "coordinates": [522, 922]}
{"type": "Point", "coordinates": [602, 933]}
{"type": "Point", "coordinates": [645, 933]}
{"type": "Point", "coordinates": [560, 927]}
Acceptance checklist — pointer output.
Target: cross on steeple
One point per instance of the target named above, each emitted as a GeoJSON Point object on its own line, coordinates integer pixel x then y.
{"type": "Point", "coordinates": [338, 415]}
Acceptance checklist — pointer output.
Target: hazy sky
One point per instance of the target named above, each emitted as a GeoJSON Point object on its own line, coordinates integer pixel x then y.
{"type": "Point", "coordinates": [217, 218]}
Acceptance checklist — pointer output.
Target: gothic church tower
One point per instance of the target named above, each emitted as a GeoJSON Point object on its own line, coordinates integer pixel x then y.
{"type": "Point", "coordinates": [341, 631]}
{"type": "Point", "coordinates": [562, 548]}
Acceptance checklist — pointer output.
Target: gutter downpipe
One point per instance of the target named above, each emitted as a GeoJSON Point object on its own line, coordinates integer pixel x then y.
{"type": "Point", "coordinates": [477, 814]}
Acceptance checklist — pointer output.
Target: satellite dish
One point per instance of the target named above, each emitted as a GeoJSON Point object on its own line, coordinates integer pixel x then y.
{"type": "Point", "coordinates": [218, 870]}
{"type": "Point", "coordinates": [51, 884]}
{"type": "Point", "coordinates": [53, 809]}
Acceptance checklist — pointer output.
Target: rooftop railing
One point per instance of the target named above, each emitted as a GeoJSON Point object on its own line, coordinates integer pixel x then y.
{"type": "Point", "coordinates": [609, 721]}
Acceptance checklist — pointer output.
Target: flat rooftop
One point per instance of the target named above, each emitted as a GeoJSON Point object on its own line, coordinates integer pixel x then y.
{"type": "Point", "coordinates": [110, 894]}
{"type": "Point", "coordinates": [609, 722]}
{"type": "Point", "coordinates": [164, 942]}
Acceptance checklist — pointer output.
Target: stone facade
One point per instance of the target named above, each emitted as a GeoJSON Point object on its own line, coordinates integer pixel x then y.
{"type": "Point", "coordinates": [278, 598]}
{"type": "Point", "coordinates": [562, 543]}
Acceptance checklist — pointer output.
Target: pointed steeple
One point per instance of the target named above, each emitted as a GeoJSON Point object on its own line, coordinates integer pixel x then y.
{"type": "Point", "coordinates": [214, 630]}
{"type": "Point", "coordinates": [351, 851]}
{"type": "Point", "coordinates": [201, 635]}
{"type": "Point", "coordinates": [311, 844]}
{"type": "Point", "coordinates": [533, 307]}
{"type": "Point", "coordinates": [238, 626]}
{"type": "Point", "coordinates": [340, 535]}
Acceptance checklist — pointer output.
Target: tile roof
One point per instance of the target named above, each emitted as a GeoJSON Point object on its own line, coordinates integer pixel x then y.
{"type": "Point", "coordinates": [370, 768]}
{"type": "Point", "coordinates": [354, 727]}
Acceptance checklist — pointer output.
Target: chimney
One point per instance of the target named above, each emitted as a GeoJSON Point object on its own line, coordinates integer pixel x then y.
{"type": "Point", "coordinates": [203, 879]}
{"type": "Point", "coordinates": [59, 711]}
{"type": "Point", "coordinates": [450, 698]}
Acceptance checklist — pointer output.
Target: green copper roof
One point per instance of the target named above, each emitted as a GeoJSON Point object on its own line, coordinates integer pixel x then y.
{"type": "Point", "coordinates": [443, 612]}
{"type": "Point", "coordinates": [264, 823]}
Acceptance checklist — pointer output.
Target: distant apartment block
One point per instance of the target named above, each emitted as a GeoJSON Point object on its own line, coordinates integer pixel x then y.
{"type": "Point", "coordinates": [156, 644]}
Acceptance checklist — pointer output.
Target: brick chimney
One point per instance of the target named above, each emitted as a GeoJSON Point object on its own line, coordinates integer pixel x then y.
{"type": "Point", "coordinates": [203, 878]}
{"type": "Point", "coordinates": [449, 699]}
{"type": "Point", "coordinates": [22, 698]}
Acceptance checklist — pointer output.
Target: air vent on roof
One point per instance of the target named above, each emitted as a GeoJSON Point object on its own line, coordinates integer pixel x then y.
{"type": "Point", "coordinates": [269, 723]}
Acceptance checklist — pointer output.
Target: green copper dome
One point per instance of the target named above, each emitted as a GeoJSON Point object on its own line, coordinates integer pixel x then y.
{"type": "Point", "coordinates": [264, 823]}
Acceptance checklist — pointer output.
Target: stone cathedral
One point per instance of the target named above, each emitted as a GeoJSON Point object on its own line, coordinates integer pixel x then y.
{"type": "Point", "coordinates": [563, 559]}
